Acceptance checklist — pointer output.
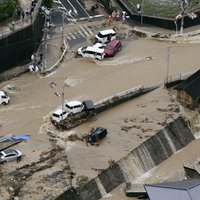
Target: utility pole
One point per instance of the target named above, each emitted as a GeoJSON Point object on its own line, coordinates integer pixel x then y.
{"type": "Point", "coordinates": [182, 24]}
{"type": "Point", "coordinates": [142, 5]}
{"type": "Point", "coordinates": [62, 29]}
{"type": "Point", "coordinates": [168, 54]}
{"type": "Point", "coordinates": [62, 99]}
{"type": "Point", "coordinates": [59, 94]}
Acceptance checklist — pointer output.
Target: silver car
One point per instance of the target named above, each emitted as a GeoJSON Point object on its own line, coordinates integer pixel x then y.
{"type": "Point", "coordinates": [10, 155]}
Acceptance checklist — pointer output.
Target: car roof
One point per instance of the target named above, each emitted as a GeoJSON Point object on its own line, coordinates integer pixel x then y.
{"type": "Point", "coordinates": [88, 104]}
{"type": "Point", "coordinates": [2, 92]}
{"type": "Point", "coordinates": [59, 111]}
{"type": "Point", "coordinates": [104, 32]}
{"type": "Point", "coordinates": [8, 151]}
{"type": "Point", "coordinates": [99, 130]}
{"type": "Point", "coordinates": [98, 44]}
{"type": "Point", "coordinates": [73, 103]}
{"type": "Point", "coordinates": [95, 49]}
{"type": "Point", "coordinates": [114, 42]}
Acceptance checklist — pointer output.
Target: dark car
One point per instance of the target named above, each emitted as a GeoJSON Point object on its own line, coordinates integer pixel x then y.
{"type": "Point", "coordinates": [96, 135]}
{"type": "Point", "coordinates": [89, 107]}
{"type": "Point", "coordinates": [112, 47]}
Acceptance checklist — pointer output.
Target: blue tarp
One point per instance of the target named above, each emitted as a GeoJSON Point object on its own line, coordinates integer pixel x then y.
{"type": "Point", "coordinates": [21, 137]}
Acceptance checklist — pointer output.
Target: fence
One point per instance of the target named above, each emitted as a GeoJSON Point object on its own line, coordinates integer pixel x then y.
{"type": "Point", "coordinates": [173, 80]}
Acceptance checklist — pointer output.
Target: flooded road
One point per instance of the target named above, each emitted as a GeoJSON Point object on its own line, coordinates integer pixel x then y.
{"type": "Point", "coordinates": [32, 101]}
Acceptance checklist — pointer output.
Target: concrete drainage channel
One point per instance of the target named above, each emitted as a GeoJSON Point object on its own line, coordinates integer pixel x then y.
{"type": "Point", "coordinates": [146, 156]}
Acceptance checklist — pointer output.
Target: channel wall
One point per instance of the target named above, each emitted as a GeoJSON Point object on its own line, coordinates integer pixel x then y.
{"type": "Point", "coordinates": [145, 157]}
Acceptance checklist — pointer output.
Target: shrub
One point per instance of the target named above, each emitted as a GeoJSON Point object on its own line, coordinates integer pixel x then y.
{"type": "Point", "coordinates": [7, 9]}
{"type": "Point", "coordinates": [48, 3]}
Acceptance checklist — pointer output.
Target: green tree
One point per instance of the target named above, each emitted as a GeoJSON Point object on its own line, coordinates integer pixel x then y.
{"type": "Point", "coordinates": [107, 4]}
{"type": "Point", "coordinates": [48, 3]}
{"type": "Point", "coordinates": [7, 9]}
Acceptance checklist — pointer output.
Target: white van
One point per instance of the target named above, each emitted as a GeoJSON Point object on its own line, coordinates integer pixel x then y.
{"type": "Point", "coordinates": [4, 99]}
{"type": "Point", "coordinates": [59, 115]}
{"type": "Point", "coordinates": [105, 36]}
{"type": "Point", "coordinates": [74, 106]}
{"type": "Point", "coordinates": [91, 52]}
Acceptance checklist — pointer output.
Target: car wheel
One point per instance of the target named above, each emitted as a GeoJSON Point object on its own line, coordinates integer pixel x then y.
{"type": "Point", "coordinates": [3, 162]}
{"type": "Point", "coordinates": [19, 159]}
{"type": "Point", "coordinates": [4, 103]}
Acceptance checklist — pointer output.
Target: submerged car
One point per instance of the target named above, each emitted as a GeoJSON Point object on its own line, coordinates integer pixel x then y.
{"type": "Point", "coordinates": [74, 107]}
{"type": "Point", "coordinates": [112, 48]}
{"type": "Point", "coordinates": [59, 115]}
{"type": "Point", "coordinates": [91, 52]}
{"type": "Point", "coordinates": [96, 135]}
{"type": "Point", "coordinates": [10, 155]}
{"type": "Point", "coordinates": [89, 107]}
{"type": "Point", "coordinates": [4, 99]}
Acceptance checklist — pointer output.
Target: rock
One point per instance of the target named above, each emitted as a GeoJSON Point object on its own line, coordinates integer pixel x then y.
{"type": "Point", "coordinates": [11, 189]}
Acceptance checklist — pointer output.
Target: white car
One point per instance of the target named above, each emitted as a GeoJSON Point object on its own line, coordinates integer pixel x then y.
{"type": "Point", "coordinates": [10, 155]}
{"type": "Point", "coordinates": [105, 36]}
{"type": "Point", "coordinates": [91, 52]}
{"type": "Point", "coordinates": [99, 45]}
{"type": "Point", "coordinates": [74, 107]}
{"type": "Point", "coordinates": [4, 99]}
{"type": "Point", "coordinates": [59, 115]}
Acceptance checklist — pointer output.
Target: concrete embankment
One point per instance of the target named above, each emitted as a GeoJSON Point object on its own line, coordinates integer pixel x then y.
{"type": "Point", "coordinates": [103, 105]}
{"type": "Point", "coordinates": [146, 156]}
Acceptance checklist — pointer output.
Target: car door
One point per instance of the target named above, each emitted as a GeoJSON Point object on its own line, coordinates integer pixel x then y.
{"type": "Point", "coordinates": [10, 157]}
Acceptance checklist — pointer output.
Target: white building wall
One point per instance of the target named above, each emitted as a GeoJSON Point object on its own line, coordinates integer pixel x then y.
{"type": "Point", "coordinates": [158, 193]}
{"type": "Point", "coordinates": [195, 193]}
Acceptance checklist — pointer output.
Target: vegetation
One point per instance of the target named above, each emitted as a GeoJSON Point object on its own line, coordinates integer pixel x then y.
{"type": "Point", "coordinates": [7, 9]}
{"type": "Point", "coordinates": [161, 8]}
{"type": "Point", "coordinates": [48, 3]}
{"type": "Point", "coordinates": [107, 4]}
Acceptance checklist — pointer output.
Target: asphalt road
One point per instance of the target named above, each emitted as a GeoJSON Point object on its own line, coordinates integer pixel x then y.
{"type": "Point", "coordinates": [72, 11]}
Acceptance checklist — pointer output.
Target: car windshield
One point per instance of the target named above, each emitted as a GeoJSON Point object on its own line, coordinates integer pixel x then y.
{"type": "Point", "coordinates": [1, 155]}
{"type": "Point", "coordinates": [83, 48]}
{"type": "Point", "coordinates": [55, 115]}
{"type": "Point", "coordinates": [109, 47]}
{"type": "Point", "coordinates": [100, 35]}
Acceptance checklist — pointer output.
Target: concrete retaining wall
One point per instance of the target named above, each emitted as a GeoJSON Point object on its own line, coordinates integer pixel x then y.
{"type": "Point", "coordinates": [146, 156]}
{"type": "Point", "coordinates": [17, 47]}
{"type": "Point", "coordinates": [163, 22]}
{"type": "Point", "coordinates": [102, 105]}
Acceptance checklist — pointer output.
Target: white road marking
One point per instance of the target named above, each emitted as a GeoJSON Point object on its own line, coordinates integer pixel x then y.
{"type": "Point", "coordinates": [84, 30]}
{"type": "Point", "coordinates": [77, 34]}
{"type": "Point", "coordinates": [72, 35]}
{"type": "Point", "coordinates": [69, 38]}
{"type": "Point", "coordinates": [81, 33]}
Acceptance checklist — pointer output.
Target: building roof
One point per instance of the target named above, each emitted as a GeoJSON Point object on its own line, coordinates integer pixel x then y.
{"type": "Point", "coordinates": [192, 86]}
{"type": "Point", "coordinates": [181, 185]}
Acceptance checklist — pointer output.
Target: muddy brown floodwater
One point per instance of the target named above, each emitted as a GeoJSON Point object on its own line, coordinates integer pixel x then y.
{"type": "Point", "coordinates": [32, 101]}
